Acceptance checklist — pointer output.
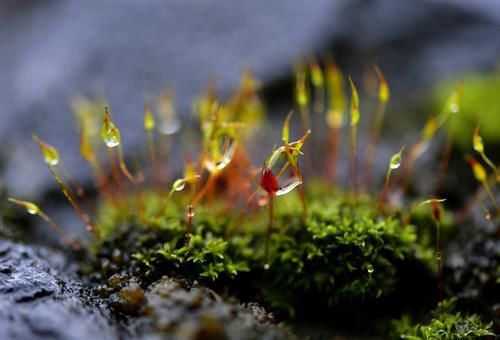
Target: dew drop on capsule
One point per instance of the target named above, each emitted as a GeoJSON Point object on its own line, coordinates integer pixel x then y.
{"type": "Point", "coordinates": [112, 138]}
{"type": "Point", "coordinates": [396, 165]}
{"type": "Point", "coordinates": [180, 187]}
{"type": "Point", "coordinates": [266, 266]}
{"type": "Point", "coordinates": [32, 211]}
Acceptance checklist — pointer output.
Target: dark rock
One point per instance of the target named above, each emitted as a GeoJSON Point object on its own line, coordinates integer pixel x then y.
{"type": "Point", "coordinates": [41, 298]}
{"type": "Point", "coordinates": [176, 312]}
{"type": "Point", "coordinates": [474, 278]}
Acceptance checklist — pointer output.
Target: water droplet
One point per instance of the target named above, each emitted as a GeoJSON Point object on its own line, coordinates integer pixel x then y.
{"type": "Point", "coordinates": [289, 184]}
{"type": "Point", "coordinates": [50, 154]}
{"type": "Point", "coordinates": [109, 132]}
{"type": "Point", "coordinates": [454, 107]}
{"type": "Point", "coordinates": [31, 208]}
{"type": "Point", "coordinates": [266, 266]}
{"type": "Point", "coordinates": [395, 162]}
{"type": "Point", "coordinates": [31, 211]}
{"type": "Point", "coordinates": [180, 186]}
{"type": "Point", "coordinates": [438, 255]}
{"type": "Point", "coordinates": [221, 154]}
{"type": "Point", "coordinates": [395, 165]}
{"type": "Point", "coordinates": [370, 268]}
{"type": "Point", "coordinates": [112, 138]}
{"type": "Point", "coordinates": [190, 212]}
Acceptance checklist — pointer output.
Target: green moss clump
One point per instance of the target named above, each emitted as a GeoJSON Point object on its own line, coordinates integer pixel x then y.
{"type": "Point", "coordinates": [445, 324]}
{"type": "Point", "coordinates": [479, 104]}
{"type": "Point", "coordinates": [340, 252]}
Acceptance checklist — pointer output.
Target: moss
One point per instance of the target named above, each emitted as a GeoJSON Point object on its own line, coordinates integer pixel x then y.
{"type": "Point", "coordinates": [479, 105]}
{"type": "Point", "coordinates": [445, 324]}
{"type": "Point", "coordinates": [339, 252]}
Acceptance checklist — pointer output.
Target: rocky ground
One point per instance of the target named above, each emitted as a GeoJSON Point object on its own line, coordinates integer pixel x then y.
{"type": "Point", "coordinates": [42, 297]}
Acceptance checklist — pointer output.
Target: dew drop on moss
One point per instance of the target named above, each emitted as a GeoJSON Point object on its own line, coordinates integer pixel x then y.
{"type": "Point", "coordinates": [370, 268]}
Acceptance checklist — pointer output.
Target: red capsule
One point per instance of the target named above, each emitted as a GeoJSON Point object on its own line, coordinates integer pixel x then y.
{"type": "Point", "coordinates": [268, 182]}
{"type": "Point", "coordinates": [436, 211]}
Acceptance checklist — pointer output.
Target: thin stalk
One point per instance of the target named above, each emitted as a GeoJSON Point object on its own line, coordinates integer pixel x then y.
{"type": "Point", "coordinates": [354, 165]}
{"type": "Point", "coordinates": [66, 192]}
{"type": "Point", "coordinates": [236, 225]}
{"type": "Point", "coordinates": [153, 158]}
{"type": "Point", "coordinates": [407, 171]}
{"type": "Point", "coordinates": [306, 117]}
{"type": "Point", "coordinates": [115, 174]}
{"type": "Point", "coordinates": [490, 195]}
{"type": "Point", "coordinates": [438, 261]}
{"type": "Point", "coordinates": [319, 99]}
{"type": "Point", "coordinates": [80, 192]}
{"type": "Point", "coordinates": [491, 165]}
{"type": "Point", "coordinates": [443, 163]}
{"type": "Point", "coordinates": [67, 240]}
{"type": "Point", "coordinates": [374, 145]}
{"type": "Point", "coordinates": [302, 199]}
{"type": "Point", "coordinates": [211, 178]}
{"type": "Point", "coordinates": [126, 172]}
{"type": "Point", "coordinates": [268, 233]}
{"type": "Point", "coordinates": [100, 179]}
{"type": "Point", "coordinates": [78, 189]}
{"type": "Point", "coordinates": [476, 199]}
{"type": "Point", "coordinates": [190, 212]}
{"type": "Point", "coordinates": [333, 147]}
{"type": "Point", "coordinates": [383, 194]}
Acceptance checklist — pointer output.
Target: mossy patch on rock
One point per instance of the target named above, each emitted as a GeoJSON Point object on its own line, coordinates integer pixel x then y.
{"type": "Point", "coordinates": [340, 252]}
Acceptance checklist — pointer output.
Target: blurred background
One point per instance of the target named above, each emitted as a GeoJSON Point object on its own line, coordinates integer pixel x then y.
{"type": "Point", "coordinates": [52, 50]}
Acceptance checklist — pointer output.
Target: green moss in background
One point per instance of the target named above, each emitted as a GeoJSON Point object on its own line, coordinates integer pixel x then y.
{"type": "Point", "coordinates": [445, 324]}
{"type": "Point", "coordinates": [480, 105]}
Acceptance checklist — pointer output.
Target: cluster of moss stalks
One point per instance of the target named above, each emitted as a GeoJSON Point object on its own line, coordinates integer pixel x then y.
{"type": "Point", "coordinates": [344, 248]}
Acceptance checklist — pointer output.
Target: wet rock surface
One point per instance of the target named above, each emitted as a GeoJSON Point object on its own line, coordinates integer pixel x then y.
{"type": "Point", "coordinates": [474, 279]}
{"type": "Point", "coordinates": [40, 298]}
{"type": "Point", "coordinates": [175, 312]}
